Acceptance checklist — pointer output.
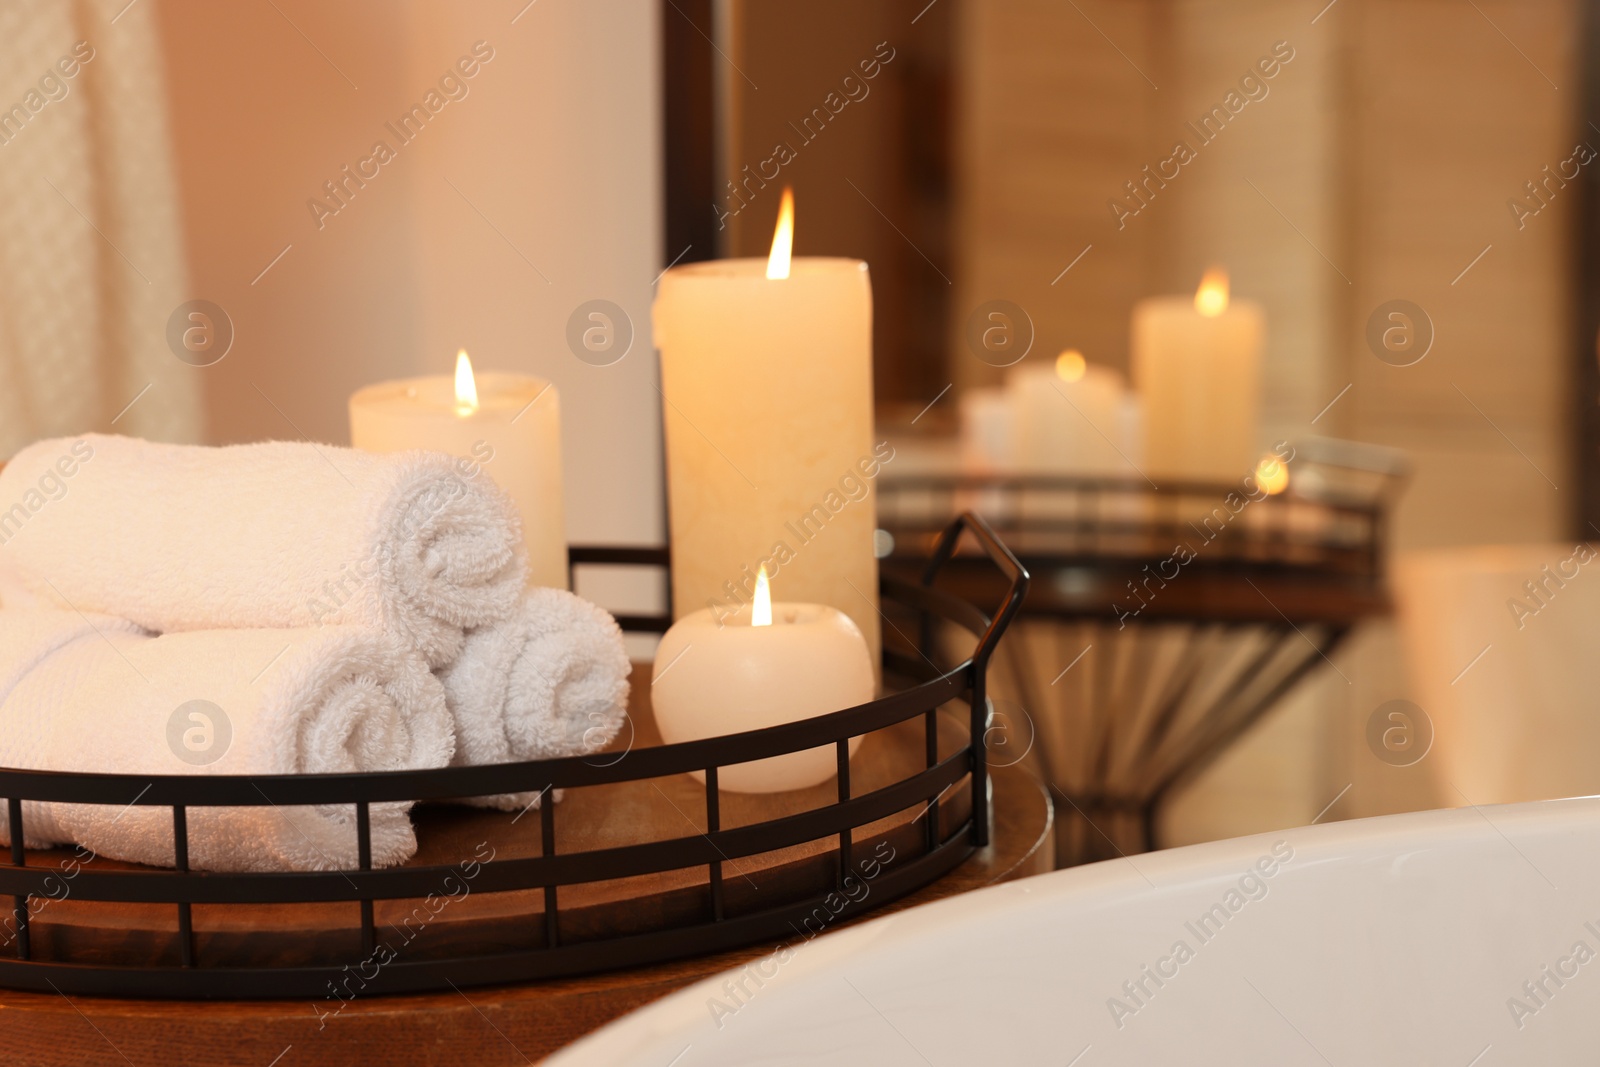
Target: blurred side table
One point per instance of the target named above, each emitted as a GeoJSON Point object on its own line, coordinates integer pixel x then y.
{"type": "Point", "coordinates": [1162, 622]}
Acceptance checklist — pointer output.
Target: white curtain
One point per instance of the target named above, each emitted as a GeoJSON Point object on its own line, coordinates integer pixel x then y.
{"type": "Point", "coordinates": [91, 249]}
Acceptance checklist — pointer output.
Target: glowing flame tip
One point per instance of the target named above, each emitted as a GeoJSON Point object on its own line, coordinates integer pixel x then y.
{"type": "Point", "coordinates": [1211, 299]}
{"type": "Point", "coordinates": [1071, 366]}
{"type": "Point", "coordinates": [761, 605]}
{"type": "Point", "coordinates": [1272, 474]}
{"type": "Point", "coordinates": [466, 385]}
{"type": "Point", "coordinates": [782, 237]}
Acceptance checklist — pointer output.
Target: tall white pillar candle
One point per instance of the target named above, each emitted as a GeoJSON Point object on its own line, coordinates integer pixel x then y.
{"type": "Point", "coordinates": [1197, 366]}
{"type": "Point", "coordinates": [512, 428]}
{"type": "Point", "coordinates": [771, 459]}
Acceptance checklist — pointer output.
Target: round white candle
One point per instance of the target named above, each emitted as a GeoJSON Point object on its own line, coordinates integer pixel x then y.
{"type": "Point", "coordinates": [768, 416]}
{"type": "Point", "coordinates": [712, 679]}
{"type": "Point", "coordinates": [1197, 366]}
{"type": "Point", "coordinates": [517, 416]}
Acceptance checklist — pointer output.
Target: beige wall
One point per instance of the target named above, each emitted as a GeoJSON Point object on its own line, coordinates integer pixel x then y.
{"type": "Point", "coordinates": [1450, 121]}
{"type": "Point", "coordinates": [266, 111]}
{"type": "Point", "coordinates": [1051, 121]}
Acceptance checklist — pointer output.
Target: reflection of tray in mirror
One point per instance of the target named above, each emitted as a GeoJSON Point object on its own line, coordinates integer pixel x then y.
{"type": "Point", "coordinates": [1332, 518]}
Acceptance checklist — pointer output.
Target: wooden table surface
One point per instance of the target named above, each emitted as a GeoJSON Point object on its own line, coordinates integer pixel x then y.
{"type": "Point", "coordinates": [477, 1025]}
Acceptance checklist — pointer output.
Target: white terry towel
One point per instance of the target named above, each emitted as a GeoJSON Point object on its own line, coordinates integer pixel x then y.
{"type": "Point", "coordinates": [275, 535]}
{"type": "Point", "coordinates": [552, 680]}
{"type": "Point", "coordinates": [92, 693]}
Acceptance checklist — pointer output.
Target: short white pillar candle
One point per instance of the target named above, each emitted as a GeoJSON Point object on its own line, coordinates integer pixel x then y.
{"type": "Point", "coordinates": [511, 423]}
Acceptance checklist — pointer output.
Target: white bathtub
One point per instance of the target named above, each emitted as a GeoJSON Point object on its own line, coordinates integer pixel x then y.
{"type": "Point", "coordinates": [1465, 937]}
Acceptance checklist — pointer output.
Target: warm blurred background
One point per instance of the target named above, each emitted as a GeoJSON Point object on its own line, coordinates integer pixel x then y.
{"type": "Point", "coordinates": [1381, 162]}
{"type": "Point", "coordinates": [1411, 150]}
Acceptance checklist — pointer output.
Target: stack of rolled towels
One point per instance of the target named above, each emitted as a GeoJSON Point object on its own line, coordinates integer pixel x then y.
{"type": "Point", "coordinates": [270, 609]}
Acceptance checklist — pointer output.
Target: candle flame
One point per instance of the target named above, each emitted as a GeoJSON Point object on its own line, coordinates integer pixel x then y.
{"type": "Point", "coordinates": [1272, 474]}
{"type": "Point", "coordinates": [782, 237]}
{"type": "Point", "coordinates": [761, 606]}
{"type": "Point", "coordinates": [466, 385]}
{"type": "Point", "coordinates": [1211, 299]}
{"type": "Point", "coordinates": [1071, 366]}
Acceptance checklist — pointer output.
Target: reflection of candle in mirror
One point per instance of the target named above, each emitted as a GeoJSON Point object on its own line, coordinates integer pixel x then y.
{"type": "Point", "coordinates": [790, 662]}
{"type": "Point", "coordinates": [986, 431]}
{"type": "Point", "coordinates": [1272, 475]}
{"type": "Point", "coordinates": [508, 423]}
{"type": "Point", "coordinates": [1298, 520]}
{"type": "Point", "coordinates": [1071, 417]}
{"type": "Point", "coordinates": [1197, 366]}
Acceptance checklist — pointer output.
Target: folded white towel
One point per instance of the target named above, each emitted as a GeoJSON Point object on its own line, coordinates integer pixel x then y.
{"type": "Point", "coordinates": [91, 693]}
{"type": "Point", "coordinates": [551, 680]}
{"type": "Point", "coordinates": [275, 535]}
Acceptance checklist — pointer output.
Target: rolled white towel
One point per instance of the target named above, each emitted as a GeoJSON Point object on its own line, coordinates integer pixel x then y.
{"type": "Point", "coordinates": [92, 693]}
{"type": "Point", "coordinates": [275, 535]}
{"type": "Point", "coordinates": [551, 680]}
